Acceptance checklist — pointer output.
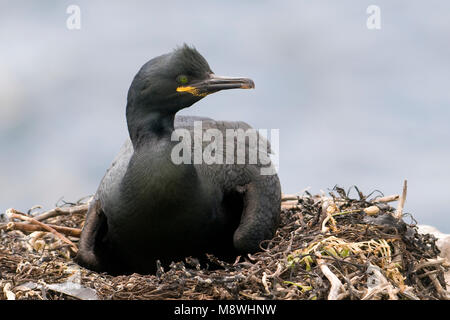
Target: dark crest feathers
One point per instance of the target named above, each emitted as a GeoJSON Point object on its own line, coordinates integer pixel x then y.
{"type": "Point", "coordinates": [190, 58]}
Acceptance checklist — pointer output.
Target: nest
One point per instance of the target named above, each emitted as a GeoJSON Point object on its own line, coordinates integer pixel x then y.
{"type": "Point", "coordinates": [327, 247]}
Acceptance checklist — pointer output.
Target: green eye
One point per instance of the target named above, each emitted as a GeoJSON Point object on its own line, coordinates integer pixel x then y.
{"type": "Point", "coordinates": [183, 79]}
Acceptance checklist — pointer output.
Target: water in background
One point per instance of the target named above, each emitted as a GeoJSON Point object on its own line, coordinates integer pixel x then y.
{"type": "Point", "coordinates": [353, 105]}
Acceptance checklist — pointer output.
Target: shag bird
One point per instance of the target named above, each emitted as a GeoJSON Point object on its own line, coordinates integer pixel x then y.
{"type": "Point", "coordinates": [149, 207]}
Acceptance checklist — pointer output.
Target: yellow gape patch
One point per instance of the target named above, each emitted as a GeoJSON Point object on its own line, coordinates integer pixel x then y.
{"type": "Point", "coordinates": [192, 90]}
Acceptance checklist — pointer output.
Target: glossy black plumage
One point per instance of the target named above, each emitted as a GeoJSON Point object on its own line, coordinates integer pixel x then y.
{"type": "Point", "coordinates": [147, 208]}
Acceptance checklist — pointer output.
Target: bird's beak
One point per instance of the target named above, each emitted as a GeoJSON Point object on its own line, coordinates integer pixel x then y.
{"type": "Point", "coordinates": [216, 83]}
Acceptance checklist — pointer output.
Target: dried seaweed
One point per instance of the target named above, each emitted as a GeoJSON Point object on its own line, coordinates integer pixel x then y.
{"type": "Point", "coordinates": [327, 247]}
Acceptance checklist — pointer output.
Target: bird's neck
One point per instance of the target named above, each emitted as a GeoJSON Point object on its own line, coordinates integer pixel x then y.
{"type": "Point", "coordinates": [144, 126]}
{"type": "Point", "coordinates": [151, 177]}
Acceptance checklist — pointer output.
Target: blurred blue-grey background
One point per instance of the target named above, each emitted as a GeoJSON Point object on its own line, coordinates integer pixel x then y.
{"type": "Point", "coordinates": [354, 106]}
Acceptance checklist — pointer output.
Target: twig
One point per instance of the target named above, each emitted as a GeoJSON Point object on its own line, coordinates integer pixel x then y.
{"type": "Point", "coordinates": [289, 206]}
{"type": "Point", "coordinates": [13, 214]}
{"type": "Point", "coordinates": [430, 263]}
{"type": "Point", "coordinates": [380, 289]}
{"type": "Point", "coordinates": [443, 293]}
{"type": "Point", "coordinates": [324, 228]}
{"type": "Point", "coordinates": [336, 284]}
{"type": "Point", "coordinates": [62, 211]}
{"type": "Point", "coordinates": [390, 198]}
{"type": "Point", "coordinates": [288, 197]}
{"type": "Point", "coordinates": [264, 282]}
{"type": "Point", "coordinates": [289, 202]}
{"type": "Point", "coordinates": [297, 196]}
{"type": "Point", "coordinates": [27, 227]}
{"type": "Point", "coordinates": [408, 293]}
{"type": "Point", "coordinates": [399, 212]}
{"type": "Point", "coordinates": [426, 274]}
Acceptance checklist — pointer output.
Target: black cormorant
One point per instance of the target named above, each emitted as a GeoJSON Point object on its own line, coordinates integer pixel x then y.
{"type": "Point", "coordinates": [149, 208]}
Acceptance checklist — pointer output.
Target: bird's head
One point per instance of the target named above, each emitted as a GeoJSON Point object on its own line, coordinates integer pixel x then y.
{"type": "Point", "coordinates": [177, 80]}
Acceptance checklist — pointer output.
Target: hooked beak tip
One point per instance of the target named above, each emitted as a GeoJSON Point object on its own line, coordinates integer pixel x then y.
{"type": "Point", "coordinates": [249, 84]}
